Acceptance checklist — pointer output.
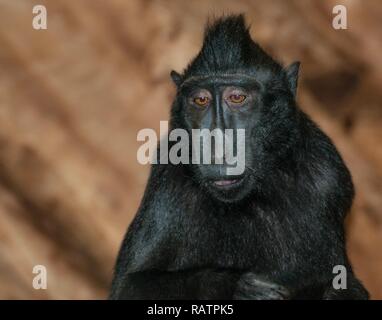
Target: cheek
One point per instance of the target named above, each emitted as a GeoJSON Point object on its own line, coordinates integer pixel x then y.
{"type": "Point", "coordinates": [199, 119]}
{"type": "Point", "coordinates": [194, 119]}
{"type": "Point", "coordinates": [189, 115]}
{"type": "Point", "coordinates": [240, 120]}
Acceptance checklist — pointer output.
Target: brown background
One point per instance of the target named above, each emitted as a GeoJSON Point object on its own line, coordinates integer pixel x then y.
{"type": "Point", "coordinates": [73, 97]}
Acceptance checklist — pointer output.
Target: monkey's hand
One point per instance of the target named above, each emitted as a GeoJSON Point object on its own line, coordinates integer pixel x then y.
{"type": "Point", "coordinates": [250, 286]}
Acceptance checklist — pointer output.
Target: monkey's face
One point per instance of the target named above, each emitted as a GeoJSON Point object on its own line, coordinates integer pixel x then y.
{"type": "Point", "coordinates": [233, 84]}
{"type": "Point", "coordinates": [240, 104]}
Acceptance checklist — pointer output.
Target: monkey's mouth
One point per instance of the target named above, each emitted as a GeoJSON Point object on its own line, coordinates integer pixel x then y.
{"type": "Point", "coordinates": [226, 183]}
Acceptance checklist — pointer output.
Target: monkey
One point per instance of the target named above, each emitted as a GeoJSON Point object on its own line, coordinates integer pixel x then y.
{"type": "Point", "coordinates": [273, 232]}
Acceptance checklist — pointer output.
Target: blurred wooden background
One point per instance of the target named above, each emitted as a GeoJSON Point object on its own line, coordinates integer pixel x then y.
{"type": "Point", "coordinates": [73, 97]}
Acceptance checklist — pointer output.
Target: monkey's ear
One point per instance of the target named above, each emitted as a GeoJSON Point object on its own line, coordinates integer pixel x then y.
{"type": "Point", "coordinates": [292, 76]}
{"type": "Point", "coordinates": [176, 77]}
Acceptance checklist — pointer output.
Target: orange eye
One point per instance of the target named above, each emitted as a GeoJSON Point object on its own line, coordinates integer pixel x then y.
{"type": "Point", "coordinates": [237, 98]}
{"type": "Point", "coordinates": [202, 101]}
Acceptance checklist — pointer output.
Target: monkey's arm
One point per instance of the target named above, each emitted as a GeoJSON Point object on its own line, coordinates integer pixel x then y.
{"type": "Point", "coordinates": [354, 290]}
{"type": "Point", "coordinates": [188, 284]}
{"type": "Point", "coordinates": [254, 287]}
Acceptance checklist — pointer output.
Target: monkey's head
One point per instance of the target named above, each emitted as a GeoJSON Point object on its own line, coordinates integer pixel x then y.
{"type": "Point", "coordinates": [233, 84]}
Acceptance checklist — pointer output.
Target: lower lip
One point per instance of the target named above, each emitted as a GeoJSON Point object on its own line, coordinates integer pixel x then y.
{"type": "Point", "coordinates": [226, 183]}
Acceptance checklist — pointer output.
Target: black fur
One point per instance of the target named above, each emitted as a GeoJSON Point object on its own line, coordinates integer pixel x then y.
{"type": "Point", "coordinates": [279, 239]}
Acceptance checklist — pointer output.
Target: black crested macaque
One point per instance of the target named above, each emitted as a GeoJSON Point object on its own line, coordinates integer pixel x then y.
{"type": "Point", "coordinates": [273, 232]}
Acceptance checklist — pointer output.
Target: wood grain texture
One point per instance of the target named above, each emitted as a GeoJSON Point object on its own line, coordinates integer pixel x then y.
{"type": "Point", "coordinates": [74, 96]}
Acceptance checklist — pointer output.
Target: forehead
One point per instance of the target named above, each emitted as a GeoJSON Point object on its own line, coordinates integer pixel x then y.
{"type": "Point", "coordinates": [222, 80]}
